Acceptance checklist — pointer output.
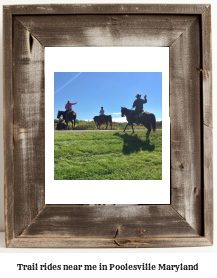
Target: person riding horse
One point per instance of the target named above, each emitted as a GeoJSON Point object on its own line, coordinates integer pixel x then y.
{"type": "Point", "coordinates": [138, 103]}
{"type": "Point", "coordinates": [68, 107]}
{"type": "Point", "coordinates": [102, 113]}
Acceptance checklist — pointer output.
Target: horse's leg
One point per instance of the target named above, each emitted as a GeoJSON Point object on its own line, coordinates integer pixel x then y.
{"type": "Point", "coordinates": [132, 127]}
{"type": "Point", "coordinates": [148, 131]}
{"type": "Point", "coordinates": [111, 124]}
{"type": "Point", "coordinates": [74, 120]}
{"type": "Point", "coordinates": [126, 127]}
{"type": "Point", "coordinates": [106, 125]}
{"type": "Point", "coordinates": [67, 121]}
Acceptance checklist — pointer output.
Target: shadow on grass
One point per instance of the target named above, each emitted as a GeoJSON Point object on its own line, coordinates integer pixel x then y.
{"type": "Point", "coordinates": [132, 143]}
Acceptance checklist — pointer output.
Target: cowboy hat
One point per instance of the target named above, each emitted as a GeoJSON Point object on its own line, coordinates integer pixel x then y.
{"type": "Point", "coordinates": [138, 95]}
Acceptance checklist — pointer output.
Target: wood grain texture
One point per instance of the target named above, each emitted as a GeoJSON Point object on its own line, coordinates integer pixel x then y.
{"type": "Point", "coordinates": [29, 130]}
{"type": "Point", "coordinates": [107, 30]}
{"type": "Point", "coordinates": [207, 122]}
{"type": "Point", "coordinates": [8, 125]}
{"type": "Point", "coordinates": [106, 9]}
{"type": "Point", "coordinates": [109, 222]}
{"type": "Point", "coordinates": [207, 67]}
{"type": "Point", "coordinates": [185, 111]}
{"type": "Point", "coordinates": [29, 223]}
{"type": "Point", "coordinates": [45, 242]}
{"type": "Point", "coordinates": [208, 183]}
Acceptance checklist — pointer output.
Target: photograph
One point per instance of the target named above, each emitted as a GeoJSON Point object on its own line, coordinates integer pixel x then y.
{"type": "Point", "coordinates": [107, 125]}
{"type": "Point", "coordinates": [103, 123]}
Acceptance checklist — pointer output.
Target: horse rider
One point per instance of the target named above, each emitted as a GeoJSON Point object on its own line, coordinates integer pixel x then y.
{"type": "Point", "coordinates": [102, 112]}
{"type": "Point", "coordinates": [59, 122]}
{"type": "Point", "coordinates": [138, 103]}
{"type": "Point", "coordinates": [68, 107]}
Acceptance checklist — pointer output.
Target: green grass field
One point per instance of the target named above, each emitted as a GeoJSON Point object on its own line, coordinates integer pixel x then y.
{"type": "Point", "coordinates": [108, 156]}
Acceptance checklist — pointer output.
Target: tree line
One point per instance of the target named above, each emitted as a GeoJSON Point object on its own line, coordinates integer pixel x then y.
{"type": "Point", "coordinates": [91, 125]}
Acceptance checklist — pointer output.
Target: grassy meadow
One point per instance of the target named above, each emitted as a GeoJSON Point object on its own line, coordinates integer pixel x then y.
{"type": "Point", "coordinates": [111, 155]}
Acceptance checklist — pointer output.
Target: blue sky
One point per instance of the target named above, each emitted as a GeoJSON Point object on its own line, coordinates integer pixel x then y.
{"type": "Point", "coordinates": [111, 90]}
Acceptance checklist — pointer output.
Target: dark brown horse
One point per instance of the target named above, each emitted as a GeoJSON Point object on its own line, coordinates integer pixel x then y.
{"type": "Point", "coordinates": [69, 117]}
{"type": "Point", "coordinates": [104, 119]}
{"type": "Point", "coordinates": [147, 119]}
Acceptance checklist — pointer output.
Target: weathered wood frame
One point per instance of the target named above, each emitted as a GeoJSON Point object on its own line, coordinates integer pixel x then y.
{"type": "Point", "coordinates": [186, 29]}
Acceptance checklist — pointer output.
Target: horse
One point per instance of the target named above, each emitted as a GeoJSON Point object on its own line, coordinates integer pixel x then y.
{"type": "Point", "coordinates": [69, 117]}
{"type": "Point", "coordinates": [104, 119]}
{"type": "Point", "coordinates": [147, 119]}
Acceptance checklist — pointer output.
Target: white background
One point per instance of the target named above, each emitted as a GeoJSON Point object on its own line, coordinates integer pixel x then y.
{"type": "Point", "coordinates": [206, 256]}
{"type": "Point", "coordinates": [109, 59]}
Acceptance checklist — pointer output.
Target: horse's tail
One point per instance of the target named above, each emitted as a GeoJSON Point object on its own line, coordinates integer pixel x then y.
{"type": "Point", "coordinates": [153, 122]}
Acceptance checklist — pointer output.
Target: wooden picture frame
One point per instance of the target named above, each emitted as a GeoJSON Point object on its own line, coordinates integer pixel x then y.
{"type": "Point", "coordinates": [186, 30]}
